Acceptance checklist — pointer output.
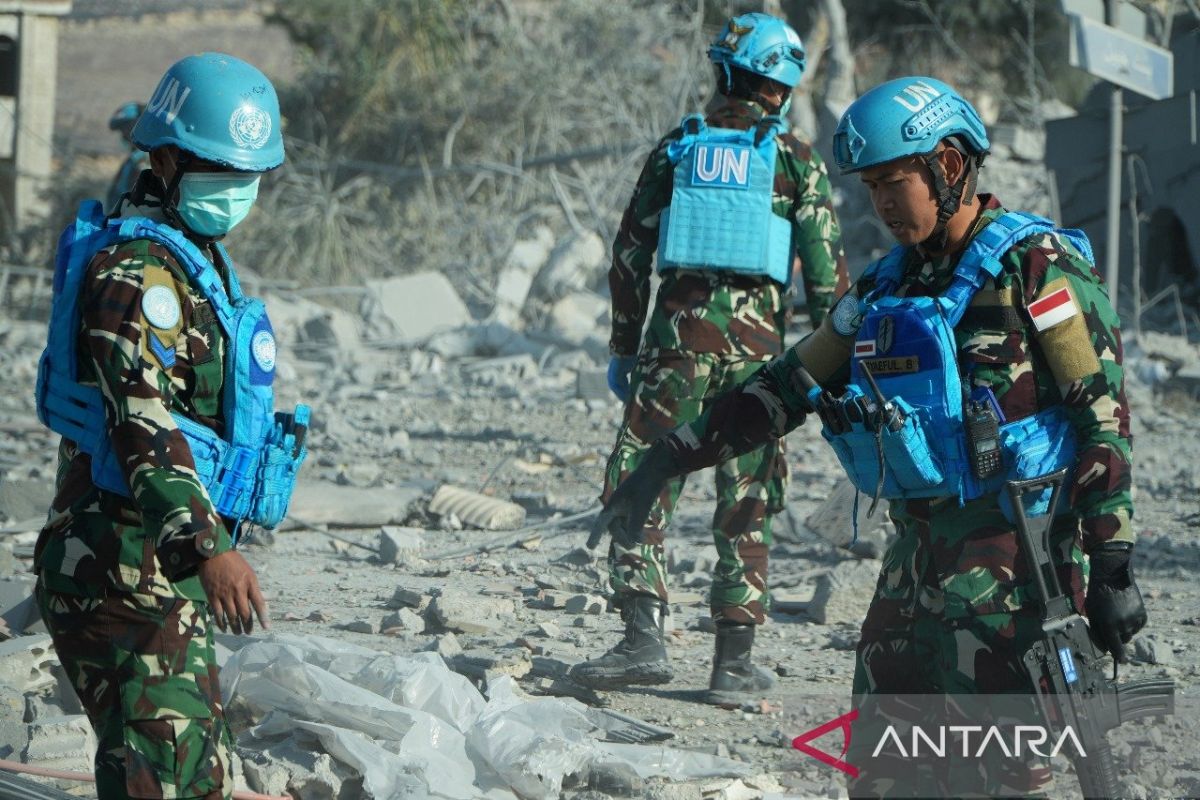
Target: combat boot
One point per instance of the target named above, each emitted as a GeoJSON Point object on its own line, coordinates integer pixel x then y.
{"type": "Point", "coordinates": [734, 678]}
{"type": "Point", "coordinates": [640, 659]}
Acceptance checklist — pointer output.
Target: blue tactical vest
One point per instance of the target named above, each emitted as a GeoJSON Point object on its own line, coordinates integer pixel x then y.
{"type": "Point", "coordinates": [250, 473]}
{"type": "Point", "coordinates": [720, 215]}
{"type": "Point", "coordinates": [910, 341]}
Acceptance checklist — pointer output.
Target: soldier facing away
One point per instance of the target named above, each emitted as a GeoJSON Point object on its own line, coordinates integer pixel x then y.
{"type": "Point", "coordinates": [136, 159]}
{"type": "Point", "coordinates": [158, 374]}
{"type": "Point", "coordinates": [732, 203]}
{"type": "Point", "coordinates": [977, 309]}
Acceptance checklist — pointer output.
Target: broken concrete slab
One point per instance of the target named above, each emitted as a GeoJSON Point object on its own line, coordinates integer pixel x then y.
{"type": "Point", "coordinates": [834, 518]}
{"type": "Point", "coordinates": [463, 613]}
{"type": "Point", "coordinates": [417, 306]}
{"type": "Point", "coordinates": [578, 262]}
{"type": "Point", "coordinates": [843, 594]}
{"type": "Point", "coordinates": [480, 511]}
{"type": "Point", "coordinates": [578, 316]}
{"type": "Point", "coordinates": [318, 502]}
{"type": "Point", "coordinates": [27, 662]}
{"type": "Point", "coordinates": [18, 610]}
{"type": "Point", "coordinates": [408, 598]}
{"type": "Point", "coordinates": [585, 604]}
{"type": "Point", "coordinates": [516, 278]}
{"type": "Point", "coordinates": [405, 619]}
{"type": "Point", "coordinates": [64, 742]}
{"type": "Point", "coordinates": [446, 645]}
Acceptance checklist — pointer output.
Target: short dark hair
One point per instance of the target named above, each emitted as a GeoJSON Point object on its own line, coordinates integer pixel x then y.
{"type": "Point", "coordinates": [737, 82]}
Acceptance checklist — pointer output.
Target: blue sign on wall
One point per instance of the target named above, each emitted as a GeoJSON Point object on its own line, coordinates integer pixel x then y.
{"type": "Point", "coordinates": [1117, 57]}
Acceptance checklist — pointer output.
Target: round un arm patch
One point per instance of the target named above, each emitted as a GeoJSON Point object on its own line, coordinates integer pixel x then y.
{"type": "Point", "coordinates": [161, 307]}
{"type": "Point", "coordinates": [847, 316]}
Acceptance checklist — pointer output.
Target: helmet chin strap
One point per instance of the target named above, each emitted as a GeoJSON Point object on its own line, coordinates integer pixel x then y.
{"type": "Point", "coordinates": [949, 198]}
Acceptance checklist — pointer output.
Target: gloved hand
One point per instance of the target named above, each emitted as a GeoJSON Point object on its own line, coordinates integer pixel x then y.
{"type": "Point", "coordinates": [619, 370]}
{"type": "Point", "coordinates": [1114, 606]}
{"type": "Point", "coordinates": [625, 513]}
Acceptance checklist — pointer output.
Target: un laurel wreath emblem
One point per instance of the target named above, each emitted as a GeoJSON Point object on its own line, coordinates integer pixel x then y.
{"type": "Point", "coordinates": [250, 127]}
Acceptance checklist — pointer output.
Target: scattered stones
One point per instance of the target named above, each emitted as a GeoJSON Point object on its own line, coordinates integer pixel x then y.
{"type": "Point", "coordinates": [463, 613]}
{"type": "Point", "coordinates": [549, 630]}
{"type": "Point", "coordinates": [446, 645]}
{"type": "Point", "coordinates": [843, 594]}
{"type": "Point", "coordinates": [408, 598]}
{"type": "Point", "coordinates": [405, 620]}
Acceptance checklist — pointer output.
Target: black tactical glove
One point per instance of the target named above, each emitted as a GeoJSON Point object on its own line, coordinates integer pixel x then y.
{"type": "Point", "coordinates": [625, 513]}
{"type": "Point", "coordinates": [1114, 606]}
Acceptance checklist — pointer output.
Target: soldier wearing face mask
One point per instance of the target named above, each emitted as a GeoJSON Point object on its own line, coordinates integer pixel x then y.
{"type": "Point", "coordinates": [158, 374]}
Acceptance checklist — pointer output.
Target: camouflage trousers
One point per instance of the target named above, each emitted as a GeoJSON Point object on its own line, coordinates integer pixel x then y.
{"type": "Point", "coordinates": [954, 612]}
{"type": "Point", "coordinates": [145, 671]}
{"type": "Point", "coordinates": [669, 388]}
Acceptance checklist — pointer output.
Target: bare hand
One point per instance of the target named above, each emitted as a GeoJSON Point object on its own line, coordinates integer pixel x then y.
{"type": "Point", "coordinates": [233, 593]}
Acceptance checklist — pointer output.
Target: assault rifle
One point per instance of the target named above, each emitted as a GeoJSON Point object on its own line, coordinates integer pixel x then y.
{"type": "Point", "coordinates": [1066, 666]}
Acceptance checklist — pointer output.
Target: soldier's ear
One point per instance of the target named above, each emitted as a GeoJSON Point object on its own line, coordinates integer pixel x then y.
{"type": "Point", "coordinates": [163, 161]}
{"type": "Point", "coordinates": [953, 163]}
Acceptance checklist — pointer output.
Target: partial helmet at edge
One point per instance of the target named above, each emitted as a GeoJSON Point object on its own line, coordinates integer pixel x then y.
{"type": "Point", "coordinates": [216, 107]}
{"type": "Point", "coordinates": [905, 117]}
{"type": "Point", "coordinates": [761, 44]}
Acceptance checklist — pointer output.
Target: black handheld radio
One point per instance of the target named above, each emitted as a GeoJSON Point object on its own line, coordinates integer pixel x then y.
{"type": "Point", "coordinates": [982, 423]}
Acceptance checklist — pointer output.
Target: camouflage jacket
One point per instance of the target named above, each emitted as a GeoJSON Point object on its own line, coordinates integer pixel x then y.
{"type": "Point", "coordinates": [713, 312]}
{"type": "Point", "coordinates": [1075, 363]}
{"type": "Point", "coordinates": [96, 540]}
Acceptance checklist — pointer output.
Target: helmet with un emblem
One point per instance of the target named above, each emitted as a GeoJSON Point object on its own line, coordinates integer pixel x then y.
{"type": "Point", "coordinates": [761, 44]}
{"type": "Point", "coordinates": [218, 108]}
{"type": "Point", "coordinates": [905, 117]}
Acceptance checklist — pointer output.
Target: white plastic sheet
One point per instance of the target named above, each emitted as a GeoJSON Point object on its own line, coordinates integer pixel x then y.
{"type": "Point", "coordinates": [411, 727]}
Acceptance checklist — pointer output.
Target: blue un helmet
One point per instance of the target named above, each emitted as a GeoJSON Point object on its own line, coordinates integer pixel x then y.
{"type": "Point", "coordinates": [910, 117]}
{"type": "Point", "coordinates": [761, 44]}
{"type": "Point", "coordinates": [218, 108]}
{"type": "Point", "coordinates": [125, 116]}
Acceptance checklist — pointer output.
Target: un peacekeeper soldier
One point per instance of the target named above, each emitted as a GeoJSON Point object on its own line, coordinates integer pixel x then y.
{"type": "Point", "coordinates": [136, 160]}
{"type": "Point", "coordinates": [169, 439]}
{"type": "Point", "coordinates": [729, 202]}
{"type": "Point", "coordinates": [1037, 347]}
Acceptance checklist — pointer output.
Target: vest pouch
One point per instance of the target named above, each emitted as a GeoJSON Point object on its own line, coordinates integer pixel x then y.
{"type": "Point", "coordinates": [227, 472]}
{"type": "Point", "coordinates": [1032, 447]}
{"type": "Point", "coordinates": [910, 467]}
{"type": "Point", "coordinates": [909, 458]}
{"type": "Point", "coordinates": [279, 467]}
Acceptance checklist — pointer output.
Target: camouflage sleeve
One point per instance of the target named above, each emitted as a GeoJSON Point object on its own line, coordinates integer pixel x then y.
{"type": "Point", "coordinates": [1078, 332]}
{"type": "Point", "coordinates": [177, 513]}
{"type": "Point", "coordinates": [633, 250]}
{"type": "Point", "coordinates": [818, 238]}
{"type": "Point", "coordinates": [767, 406]}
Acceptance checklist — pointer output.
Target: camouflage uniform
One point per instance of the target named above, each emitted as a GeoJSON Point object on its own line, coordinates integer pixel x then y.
{"type": "Point", "coordinates": [118, 586]}
{"type": "Point", "coordinates": [953, 609]}
{"type": "Point", "coordinates": [709, 332]}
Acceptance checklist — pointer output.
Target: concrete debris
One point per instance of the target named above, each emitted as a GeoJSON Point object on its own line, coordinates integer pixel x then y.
{"type": "Point", "coordinates": [399, 545]}
{"type": "Point", "coordinates": [833, 521]}
{"type": "Point", "coordinates": [65, 742]}
{"type": "Point", "coordinates": [409, 598]}
{"type": "Point", "coordinates": [320, 502]}
{"type": "Point", "coordinates": [585, 604]}
{"type": "Point", "coordinates": [405, 619]}
{"type": "Point", "coordinates": [27, 662]}
{"type": "Point", "coordinates": [361, 625]}
{"type": "Point", "coordinates": [457, 611]}
{"type": "Point", "coordinates": [592, 384]}
{"type": "Point", "coordinates": [18, 609]}
{"type": "Point", "coordinates": [446, 646]}
{"type": "Point", "coordinates": [415, 307]}
{"type": "Point", "coordinates": [843, 594]}
{"type": "Point", "coordinates": [578, 263]}
{"type": "Point", "coordinates": [577, 317]}
{"type": "Point", "coordinates": [516, 278]}
{"type": "Point", "coordinates": [14, 735]}
{"type": "Point", "coordinates": [477, 510]}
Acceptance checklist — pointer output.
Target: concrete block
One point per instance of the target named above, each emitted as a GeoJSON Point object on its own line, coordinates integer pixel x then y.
{"type": "Point", "coordinates": [577, 263]}
{"type": "Point", "coordinates": [27, 662]}
{"type": "Point", "coordinates": [592, 384]}
{"type": "Point", "coordinates": [843, 594]}
{"type": "Point", "coordinates": [578, 316]}
{"type": "Point", "coordinates": [361, 625]}
{"type": "Point", "coordinates": [65, 742]}
{"type": "Point", "coordinates": [405, 619]}
{"type": "Point", "coordinates": [408, 598]}
{"type": "Point", "coordinates": [399, 545]}
{"type": "Point", "coordinates": [585, 604]}
{"type": "Point", "coordinates": [463, 613]}
{"type": "Point", "coordinates": [446, 646]}
{"type": "Point", "coordinates": [319, 502]}
{"type": "Point", "coordinates": [17, 607]}
{"type": "Point", "coordinates": [419, 305]}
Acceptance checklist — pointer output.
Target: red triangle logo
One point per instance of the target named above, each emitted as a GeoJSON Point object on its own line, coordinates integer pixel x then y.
{"type": "Point", "coordinates": [801, 742]}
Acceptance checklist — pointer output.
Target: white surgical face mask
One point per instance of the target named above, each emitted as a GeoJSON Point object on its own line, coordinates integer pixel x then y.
{"type": "Point", "coordinates": [213, 203]}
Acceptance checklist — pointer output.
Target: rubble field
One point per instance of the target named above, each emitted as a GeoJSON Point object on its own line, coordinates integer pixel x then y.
{"type": "Point", "coordinates": [430, 587]}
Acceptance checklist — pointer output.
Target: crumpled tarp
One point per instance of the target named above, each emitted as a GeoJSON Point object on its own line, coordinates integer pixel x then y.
{"type": "Point", "coordinates": [412, 727]}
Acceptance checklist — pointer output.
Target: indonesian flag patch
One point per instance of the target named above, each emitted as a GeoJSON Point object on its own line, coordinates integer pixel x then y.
{"type": "Point", "coordinates": [864, 349]}
{"type": "Point", "coordinates": [1058, 306]}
